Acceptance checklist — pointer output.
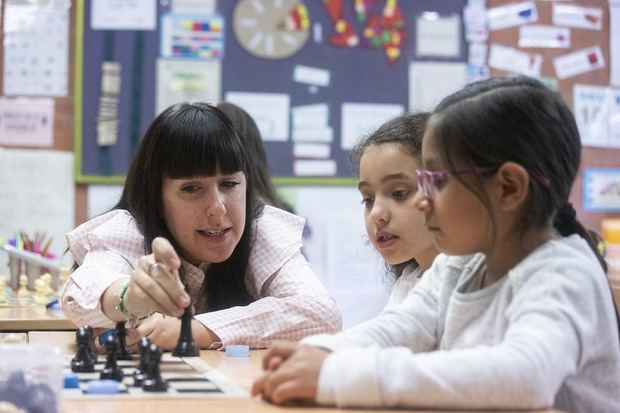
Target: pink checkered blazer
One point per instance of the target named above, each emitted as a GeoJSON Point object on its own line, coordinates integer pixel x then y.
{"type": "Point", "coordinates": [291, 303]}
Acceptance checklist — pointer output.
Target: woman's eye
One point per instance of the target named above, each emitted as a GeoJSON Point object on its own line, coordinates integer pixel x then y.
{"type": "Point", "coordinates": [230, 184]}
{"type": "Point", "coordinates": [400, 194]}
{"type": "Point", "coordinates": [190, 189]}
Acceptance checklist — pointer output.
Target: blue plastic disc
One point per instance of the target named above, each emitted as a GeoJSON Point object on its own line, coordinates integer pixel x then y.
{"type": "Point", "coordinates": [237, 350]}
{"type": "Point", "coordinates": [102, 387]}
{"type": "Point", "coordinates": [71, 381]}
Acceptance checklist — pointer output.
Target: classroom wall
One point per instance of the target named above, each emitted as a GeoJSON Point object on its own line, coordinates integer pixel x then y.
{"type": "Point", "coordinates": [343, 199]}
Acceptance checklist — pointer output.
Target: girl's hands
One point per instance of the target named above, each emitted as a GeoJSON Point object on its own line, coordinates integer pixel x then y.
{"type": "Point", "coordinates": [155, 284]}
{"type": "Point", "coordinates": [292, 373]}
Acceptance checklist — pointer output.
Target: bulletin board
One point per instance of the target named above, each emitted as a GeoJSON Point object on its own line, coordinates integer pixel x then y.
{"type": "Point", "coordinates": [580, 38]}
{"type": "Point", "coordinates": [357, 74]}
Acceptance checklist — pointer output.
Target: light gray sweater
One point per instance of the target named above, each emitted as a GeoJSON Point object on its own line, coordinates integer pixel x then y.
{"type": "Point", "coordinates": [545, 335]}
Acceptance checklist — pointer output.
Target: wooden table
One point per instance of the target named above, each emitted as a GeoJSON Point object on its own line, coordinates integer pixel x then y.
{"type": "Point", "coordinates": [33, 318]}
{"type": "Point", "coordinates": [241, 370]}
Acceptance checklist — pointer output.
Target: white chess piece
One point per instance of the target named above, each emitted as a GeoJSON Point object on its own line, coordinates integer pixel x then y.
{"type": "Point", "coordinates": [23, 294]}
{"type": "Point", "coordinates": [47, 285]}
{"type": "Point", "coordinates": [40, 288]}
{"type": "Point", "coordinates": [3, 292]}
{"type": "Point", "coordinates": [63, 276]}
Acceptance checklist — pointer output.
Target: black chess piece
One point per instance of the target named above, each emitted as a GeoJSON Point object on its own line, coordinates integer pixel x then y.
{"type": "Point", "coordinates": [154, 382]}
{"type": "Point", "coordinates": [111, 370]}
{"type": "Point", "coordinates": [142, 372]}
{"type": "Point", "coordinates": [121, 333]}
{"type": "Point", "coordinates": [185, 346]}
{"type": "Point", "coordinates": [84, 360]}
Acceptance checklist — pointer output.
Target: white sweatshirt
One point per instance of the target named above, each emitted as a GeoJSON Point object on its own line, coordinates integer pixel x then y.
{"type": "Point", "coordinates": [545, 335]}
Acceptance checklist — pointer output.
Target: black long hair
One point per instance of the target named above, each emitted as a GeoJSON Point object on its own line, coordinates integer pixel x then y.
{"type": "Point", "coordinates": [253, 143]}
{"type": "Point", "coordinates": [406, 131]}
{"type": "Point", "coordinates": [190, 140]}
{"type": "Point", "coordinates": [518, 120]}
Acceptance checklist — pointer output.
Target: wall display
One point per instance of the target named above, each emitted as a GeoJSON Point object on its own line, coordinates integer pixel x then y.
{"type": "Point", "coordinates": [292, 51]}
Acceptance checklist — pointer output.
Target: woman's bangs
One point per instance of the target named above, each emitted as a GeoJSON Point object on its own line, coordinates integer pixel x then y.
{"type": "Point", "coordinates": [194, 154]}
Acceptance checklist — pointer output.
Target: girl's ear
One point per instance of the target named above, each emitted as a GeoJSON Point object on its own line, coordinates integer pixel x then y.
{"type": "Point", "coordinates": [512, 186]}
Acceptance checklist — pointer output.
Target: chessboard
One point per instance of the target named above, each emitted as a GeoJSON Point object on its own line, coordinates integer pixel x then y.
{"type": "Point", "coordinates": [188, 377]}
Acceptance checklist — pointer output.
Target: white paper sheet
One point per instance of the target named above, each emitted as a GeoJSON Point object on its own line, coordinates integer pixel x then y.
{"type": "Point", "coordinates": [310, 116]}
{"type": "Point", "coordinates": [27, 122]}
{"type": "Point", "coordinates": [123, 15]}
{"type": "Point", "coordinates": [311, 75]}
{"type": "Point", "coordinates": [544, 36]}
{"type": "Point", "coordinates": [193, 6]}
{"type": "Point", "coordinates": [102, 198]}
{"type": "Point", "coordinates": [438, 37]}
{"type": "Point", "coordinates": [597, 113]}
{"type": "Point", "coordinates": [614, 44]}
{"type": "Point", "coordinates": [515, 61]}
{"type": "Point", "coordinates": [337, 247]}
{"type": "Point", "coordinates": [361, 119]}
{"type": "Point", "coordinates": [306, 167]}
{"type": "Point", "coordinates": [38, 194]}
{"type": "Point", "coordinates": [179, 39]}
{"type": "Point", "coordinates": [270, 111]}
{"type": "Point", "coordinates": [315, 134]}
{"type": "Point", "coordinates": [581, 61]}
{"type": "Point", "coordinates": [187, 81]}
{"type": "Point", "coordinates": [311, 150]}
{"type": "Point", "coordinates": [475, 21]}
{"type": "Point", "coordinates": [36, 48]}
{"type": "Point", "coordinates": [477, 54]}
{"type": "Point", "coordinates": [601, 189]}
{"type": "Point", "coordinates": [577, 16]}
{"type": "Point", "coordinates": [429, 82]}
{"type": "Point", "coordinates": [511, 15]}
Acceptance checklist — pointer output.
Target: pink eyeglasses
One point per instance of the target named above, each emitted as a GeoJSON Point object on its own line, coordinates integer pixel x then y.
{"type": "Point", "coordinates": [429, 181]}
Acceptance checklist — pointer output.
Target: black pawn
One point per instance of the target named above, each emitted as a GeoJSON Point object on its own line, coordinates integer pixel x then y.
{"type": "Point", "coordinates": [111, 371]}
{"type": "Point", "coordinates": [186, 347]}
{"type": "Point", "coordinates": [154, 382]}
{"type": "Point", "coordinates": [141, 373]}
{"type": "Point", "coordinates": [121, 333]}
{"type": "Point", "coordinates": [84, 360]}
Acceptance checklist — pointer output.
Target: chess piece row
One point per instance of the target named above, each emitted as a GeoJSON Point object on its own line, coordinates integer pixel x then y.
{"type": "Point", "coordinates": [147, 375]}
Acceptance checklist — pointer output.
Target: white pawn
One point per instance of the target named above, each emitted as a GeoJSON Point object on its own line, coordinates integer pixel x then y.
{"type": "Point", "coordinates": [40, 288]}
{"type": "Point", "coordinates": [2, 290]}
{"type": "Point", "coordinates": [47, 285]}
{"type": "Point", "coordinates": [23, 294]}
{"type": "Point", "coordinates": [63, 276]}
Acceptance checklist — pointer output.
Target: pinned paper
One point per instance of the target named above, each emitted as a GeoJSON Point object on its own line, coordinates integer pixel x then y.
{"type": "Point", "coordinates": [310, 123]}
{"type": "Point", "coordinates": [270, 111]}
{"type": "Point", "coordinates": [429, 82]}
{"type": "Point", "coordinates": [597, 113]}
{"type": "Point", "coordinates": [307, 167]}
{"type": "Point", "coordinates": [187, 81]}
{"type": "Point", "coordinates": [512, 15]}
{"type": "Point", "coordinates": [311, 75]}
{"type": "Point", "coordinates": [475, 21]}
{"type": "Point", "coordinates": [581, 61]}
{"type": "Point", "coordinates": [577, 16]}
{"type": "Point", "coordinates": [477, 54]}
{"type": "Point", "coordinates": [438, 36]}
{"type": "Point", "coordinates": [360, 119]}
{"type": "Point", "coordinates": [544, 36]}
{"type": "Point", "coordinates": [601, 189]}
{"type": "Point", "coordinates": [26, 122]}
{"type": "Point", "coordinates": [192, 36]}
{"type": "Point", "coordinates": [515, 61]}
{"type": "Point", "coordinates": [123, 15]}
{"type": "Point", "coordinates": [311, 150]}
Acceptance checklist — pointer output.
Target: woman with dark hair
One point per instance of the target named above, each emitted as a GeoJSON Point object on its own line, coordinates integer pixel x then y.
{"type": "Point", "coordinates": [189, 231]}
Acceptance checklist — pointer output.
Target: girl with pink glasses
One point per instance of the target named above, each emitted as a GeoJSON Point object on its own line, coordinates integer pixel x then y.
{"type": "Point", "coordinates": [517, 314]}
